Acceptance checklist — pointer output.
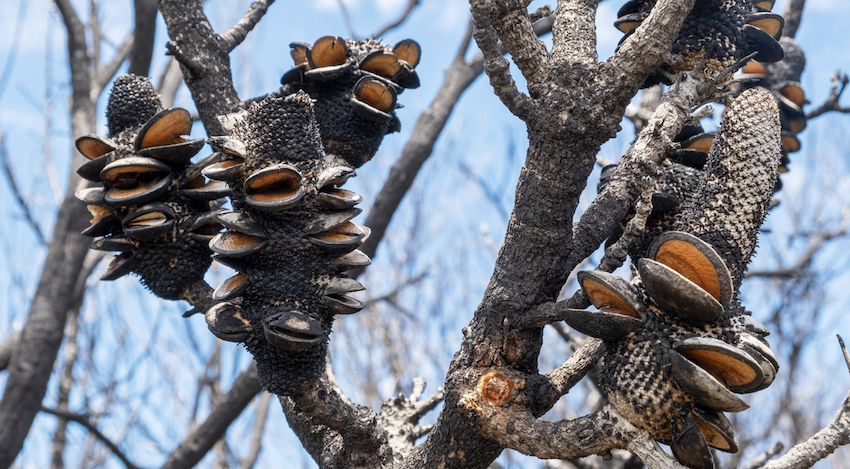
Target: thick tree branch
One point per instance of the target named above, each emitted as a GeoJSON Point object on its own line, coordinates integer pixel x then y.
{"type": "Point", "coordinates": [32, 362]}
{"type": "Point", "coordinates": [496, 66]}
{"type": "Point", "coordinates": [235, 35]}
{"type": "Point", "coordinates": [649, 45]}
{"type": "Point", "coordinates": [7, 348]}
{"type": "Point", "coordinates": [574, 32]}
{"type": "Point", "coordinates": [202, 439]}
{"type": "Point", "coordinates": [793, 15]}
{"type": "Point", "coordinates": [84, 421]}
{"type": "Point", "coordinates": [204, 58]}
{"type": "Point", "coordinates": [142, 51]}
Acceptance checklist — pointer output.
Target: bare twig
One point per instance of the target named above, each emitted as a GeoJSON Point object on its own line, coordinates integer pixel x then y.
{"type": "Point", "coordinates": [822, 443]}
{"type": "Point", "coordinates": [13, 48]}
{"type": "Point", "coordinates": [235, 35]}
{"type": "Point", "coordinates": [259, 429]}
{"type": "Point", "coordinates": [346, 16]}
{"type": "Point", "coordinates": [844, 351]}
{"type": "Point", "coordinates": [820, 239]}
{"type": "Point", "coordinates": [13, 186]}
{"type": "Point", "coordinates": [763, 458]}
{"type": "Point", "coordinates": [105, 73]}
{"type": "Point", "coordinates": [411, 4]}
{"type": "Point", "coordinates": [202, 439]}
{"type": "Point", "coordinates": [84, 421]}
{"type": "Point", "coordinates": [839, 83]}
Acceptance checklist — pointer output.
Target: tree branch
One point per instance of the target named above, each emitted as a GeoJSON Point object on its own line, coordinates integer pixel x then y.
{"type": "Point", "coordinates": [235, 35]}
{"type": "Point", "coordinates": [839, 83]}
{"type": "Point", "coordinates": [822, 443]}
{"type": "Point", "coordinates": [496, 66]}
{"type": "Point", "coordinates": [84, 421]}
{"type": "Point", "coordinates": [793, 14]}
{"type": "Point", "coordinates": [104, 73]}
{"type": "Point", "coordinates": [202, 439]}
{"type": "Point", "coordinates": [649, 45]}
{"type": "Point", "coordinates": [142, 51]}
{"type": "Point", "coordinates": [7, 348]}
{"type": "Point", "coordinates": [32, 362]}
{"type": "Point", "coordinates": [411, 4]}
{"type": "Point", "coordinates": [13, 186]}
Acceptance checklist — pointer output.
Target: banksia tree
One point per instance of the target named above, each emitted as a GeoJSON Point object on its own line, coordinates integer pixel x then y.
{"type": "Point", "coordinates": [674, 346]}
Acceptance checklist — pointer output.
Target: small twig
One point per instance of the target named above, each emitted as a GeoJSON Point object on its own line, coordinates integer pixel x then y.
{"type": "Point", "coordinates": [762, 459]}
{"type": "Point", "coordinates": [235, 35]}
{"type": "Point", "coordinates": [84, 421]}
{"type": "Point", "coordinates": [259, 428]}
{"type": "Point", "coordinates": [347, 17]}
{"type": "Point", "coordinates": [13, 186]}
{"type": "Point", "coordinates": [839, 83]}
{"type": "Point", "coordinates": [104, 73]}
{"type": "Point", "coordinates": [844, 350]}
{"type": "Point", "coordinates": [569, 373]}
{"type": "Point", "coordinates": [806, 258]}
{"type": "Point", "coordinates": [411, 4]}
{"type": "Point", "coordinates": [13, 49]}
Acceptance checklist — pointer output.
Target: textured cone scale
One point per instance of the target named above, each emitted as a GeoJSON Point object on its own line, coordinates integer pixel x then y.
{"type": "Point", "coordinates": [140, 208]}
{"type": "Point", "coordinates": [721, 32]}
{"type": "Point", "coordinates": [680, 364]}
{"type": "Point", "coordinates": [355, 84]}
{"type": "Point", "coordinates": [290, 247]}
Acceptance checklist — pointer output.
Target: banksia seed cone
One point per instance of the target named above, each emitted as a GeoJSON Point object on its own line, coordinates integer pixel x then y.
{"type": "Point", "coordinates": [289, 236]}
{"type": "Point", "coordinates": [355, 85]}
{"type": "Point", "coordinates": [152, 204]}
{"type": "Point", "coordinates": [682, 345]}
{"type": "Point", "coordinates": [719, 31]}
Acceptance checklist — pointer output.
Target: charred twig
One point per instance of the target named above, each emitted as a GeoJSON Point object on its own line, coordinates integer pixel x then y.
{"type": "Point", "coordinates": [839, 83]}
{"type": "Point", "coordinates": [762, 459]}
{"type": "Point", "coordinates": [346, 16]}
{"type": "Point", "coordinates": [836, 433]}
{"type": "Point", "coordinates": [235, 35]}
{"type": "Point", "coordinates": [84, 421]}
{"type": "Point", "coordinates": [202, 439]}
{"type": "Point", "coordinates": [411, 4]}
{"type": "Point", "coordinates": [13, 186]}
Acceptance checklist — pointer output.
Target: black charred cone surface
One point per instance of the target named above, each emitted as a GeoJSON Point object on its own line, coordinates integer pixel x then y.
{"type": "Point", "coordinates": [286, 244]}
{"type": "Point", "coordinates": [354, 85]}
{"type": "Point", "coordinates": [143, 167]}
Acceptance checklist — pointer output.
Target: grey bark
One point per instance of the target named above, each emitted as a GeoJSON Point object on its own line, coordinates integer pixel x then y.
{"type": "Point", "coordinates": [32, 361]}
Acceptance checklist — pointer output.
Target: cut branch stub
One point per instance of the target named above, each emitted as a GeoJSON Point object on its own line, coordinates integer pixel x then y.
{"type": "Point", "coordinates": [153, 205]}
{"type": "Point", "coordinates": [289, 235]}
{"type": "Point", "coordinates": [355, 85]}
{"type": "Point", "coordinates": [716, 34]}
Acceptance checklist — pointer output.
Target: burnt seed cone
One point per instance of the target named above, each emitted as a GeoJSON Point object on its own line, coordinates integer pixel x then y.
{"type": "Point", "coordinates": [289, 244]}
{"type": "Point", "coordinates": [355, 85]}
{"type": "Point", "coordinates": [682, 346]}
{"type": "Point", "coordinates": [140, 207]}
{"type": "Point", "coordinates": [720, 32]}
